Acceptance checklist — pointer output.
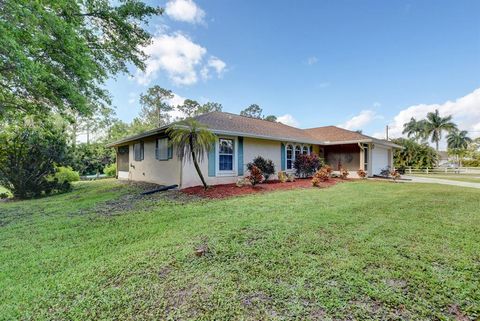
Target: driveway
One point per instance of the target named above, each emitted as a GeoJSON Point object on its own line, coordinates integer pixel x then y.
{"type": "Point", "coordinates": [415, 179]}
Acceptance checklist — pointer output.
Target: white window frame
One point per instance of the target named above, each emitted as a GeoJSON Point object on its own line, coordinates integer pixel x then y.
{"type": "Point", "coordinates": [294, 146]}
{"type": "Point", "coordinates": [286, 156]}
{"type": "Point", "coordinates": [308, 149]}
{"type": "Point", "coordinates": [233, 172]}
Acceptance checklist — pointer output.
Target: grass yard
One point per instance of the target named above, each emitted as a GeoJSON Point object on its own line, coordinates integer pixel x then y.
{"type": "Point", "coordinates": [472, 178]}
{"type": "Point", "coordinates": [360, 250]}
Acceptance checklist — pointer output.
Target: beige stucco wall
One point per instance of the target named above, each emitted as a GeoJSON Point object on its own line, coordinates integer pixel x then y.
{"type": "Point", "coordinates": [252, 148]}
{"type": "Point", "coordinates": [151, 169]}
{"type": "Point", "coordinates": [268, 149]}
{"type": "Point", "coordinates": [190, 176]}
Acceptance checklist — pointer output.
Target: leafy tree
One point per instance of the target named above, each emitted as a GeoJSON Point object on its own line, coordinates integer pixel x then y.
{"type": "Point", "coordinates": [435, 125]}
{"type": "Point", "coordinates": [29, 153]}
{"type": "Point", "coordinates": [414, 155]}
{"type": "Point", "coordinates": [57, 54]}
{"type": "Point", "coordinates": [458, 142]}
{"type": "Point", "coordinates": [252, 111]}
{"type": "Point", "coordinates": [190, 107]}
{"type": "Point", "coordinates": [120, 129]}
{"type": "Point", "coordinates": [155, 106]}
{"type": "Point", "coordinates": [193, 140]}
{"type": "Point", "coordinates": [271, 118]}
{"type": "Point", "coordinates": [209, 107]}
{"type": "Point", "coordinates": [266, 166]}
{"type": "Point", "coordinates": [90, 159]}
{"type": "Point", "coordinates": [92, 126]}
{"type": "Point", "coordinates": [414, 128]}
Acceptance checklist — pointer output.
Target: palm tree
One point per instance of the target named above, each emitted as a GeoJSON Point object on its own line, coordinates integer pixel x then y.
{"type": "Point", "coordinates": [414, 128]}
{"type": "Point", "coordinates": [193, 141]}
{"type": "Point", "coordinates": [435, 125]}
{"type": "Point", "coordinates": [458, 141]}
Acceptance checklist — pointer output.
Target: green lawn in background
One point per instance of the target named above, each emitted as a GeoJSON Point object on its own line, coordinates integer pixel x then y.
{"type": "Point", "coordinates": [360, 250]}
{"type": "Point", "coordinates": [472, 178]}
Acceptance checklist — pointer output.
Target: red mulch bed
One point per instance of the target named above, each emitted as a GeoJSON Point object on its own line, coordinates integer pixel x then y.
{"type": "Point", "coordinates": [229, 190]}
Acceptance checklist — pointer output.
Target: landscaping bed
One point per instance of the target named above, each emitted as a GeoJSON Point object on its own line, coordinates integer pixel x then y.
{"type": "Point", "coordinates": [229, 190]}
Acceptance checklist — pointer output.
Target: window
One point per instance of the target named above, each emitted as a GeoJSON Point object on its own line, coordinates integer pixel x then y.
{"type": "Point", "coordinates": [298, 151]}
{"type": "Point", "coordinates": [162, 150]}
{"type": "Point", "coordinates": [289, 156]}
{"type": "Point", "coordinates": [305, 150]}
{"type": "Point", "coordinates": [365, 158]}
{"type": "Point", "coordinates": [225, 154]}
{"type": "Point", "coordinates": [138, 151]}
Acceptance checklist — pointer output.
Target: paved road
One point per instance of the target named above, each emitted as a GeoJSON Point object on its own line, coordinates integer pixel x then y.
{"type": "Point", "coordinates": [416, 179]}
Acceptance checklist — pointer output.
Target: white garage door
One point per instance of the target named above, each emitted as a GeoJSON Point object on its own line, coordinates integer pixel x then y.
{"type": "Point", "coordinates": [379, 159]}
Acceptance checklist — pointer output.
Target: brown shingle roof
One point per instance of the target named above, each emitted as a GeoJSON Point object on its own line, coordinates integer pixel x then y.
{"type": "Point", "coordinates": [227, 122]}
{"type": "Point", "coordinates": [335, 134]}
{"type": "Point", "coordinates": [232, 124]}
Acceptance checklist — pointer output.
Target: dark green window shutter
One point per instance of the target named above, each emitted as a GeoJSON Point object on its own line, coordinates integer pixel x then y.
{"type": "Point", "coordinates": [282, 153]}
{"type": "Point", "coordinates": [240, 156]}
{"type": "Point", "coordinates": [211, 161]}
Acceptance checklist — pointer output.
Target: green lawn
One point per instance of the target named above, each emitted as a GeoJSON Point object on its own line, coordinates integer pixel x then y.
{"type": "Point", "coordinates": [472, 178]}
{"type": "Point", "coordinates": [362, 250]}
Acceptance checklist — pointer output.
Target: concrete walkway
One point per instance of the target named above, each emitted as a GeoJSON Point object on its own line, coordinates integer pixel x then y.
{"type": "Point", "coordinates": [415, 179]}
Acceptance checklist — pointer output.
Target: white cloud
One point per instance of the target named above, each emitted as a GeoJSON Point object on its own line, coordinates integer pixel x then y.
{"type": "Point", "coordinates": [176, 100]}
{"type": "Point", "coordinates": [218, 65]}
{"type": "Point", "coordinates": [288, 119]}
{"type": "Point", "coordinates": [184, 10]}
{"type": "Point", "coordinates": [360, 120]}
{"type": "Point", "coordinates": [132, 98]}
{"type": "Point", "coordinates": [465, 112]}
{"type": "Point", "coordinates": [312, 60]}
{"type": "Point", "coordinates": [180, 58]}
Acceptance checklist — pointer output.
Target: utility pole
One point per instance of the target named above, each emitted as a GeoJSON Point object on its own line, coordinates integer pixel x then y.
{"type": "Point", "coordinates": [386, 132]}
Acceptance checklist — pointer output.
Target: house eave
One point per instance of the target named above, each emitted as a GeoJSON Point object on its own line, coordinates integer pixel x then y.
{"type": "Point", "coordinates": [162, 129]}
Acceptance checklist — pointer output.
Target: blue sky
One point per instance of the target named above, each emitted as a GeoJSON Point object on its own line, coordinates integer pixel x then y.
{"type": "Point", "coordinates": [359, 64]}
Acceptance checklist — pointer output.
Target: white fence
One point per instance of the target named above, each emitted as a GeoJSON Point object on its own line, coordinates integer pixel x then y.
{"type": "Point", "coordinates": [443, 170]}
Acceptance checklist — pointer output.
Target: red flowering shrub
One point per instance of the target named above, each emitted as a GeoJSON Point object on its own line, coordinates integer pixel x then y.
{"type": "Point", "coordinates": [344, 173]}
{"type": "Point", "coordinates": [395, 175]}
{"type": "Point", "coordinates": [322, 175]}
{"type": "Point", "coordinates": [305, 165]}
{"type": "Point", "coordinates": [255, 176]}
{"type": "Point", "coordinates": [361, 173]}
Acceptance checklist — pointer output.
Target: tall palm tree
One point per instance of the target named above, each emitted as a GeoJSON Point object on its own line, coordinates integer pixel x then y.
{"type": "Point", "coordinates": [457, 142]}
{"type": "Point", "coordinates": [193, 140]}
{"type": "Point", "coordinates": [414, 128]}
{"type": "Point", "coordinates": [435, 125]}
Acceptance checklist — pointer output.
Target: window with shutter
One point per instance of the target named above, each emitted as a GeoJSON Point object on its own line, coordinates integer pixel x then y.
{"type": "Point", "coordinates": [138, 151]}
{"type": "Point", "coordinates": [162, 149]}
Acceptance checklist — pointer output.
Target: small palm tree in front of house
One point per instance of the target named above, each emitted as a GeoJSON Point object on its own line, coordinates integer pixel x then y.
{"type": "Point", "coordinates": [193, 140]}
{"type": "Point", "coordinates": [435, 125]}
{"type": "Point", "coordinates": [457, 142]}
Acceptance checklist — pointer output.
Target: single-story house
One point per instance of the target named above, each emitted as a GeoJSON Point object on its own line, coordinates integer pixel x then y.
{"type": "Point", "coordinates": [150, 157]}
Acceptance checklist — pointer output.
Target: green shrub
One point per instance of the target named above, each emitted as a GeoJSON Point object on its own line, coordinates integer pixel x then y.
{"type": "Point", "coordinates": [110, 170]}
{"type": "Point", "coordinates": [66, 174]}
{"type": "Point", "coordinates": [29, 152]}
{"type": "Point", "coordinates": [90, 159]}
{"type": "Point", "coordinates": [266, 166]}
{"type": "Point", "coordinates": [471, 162]}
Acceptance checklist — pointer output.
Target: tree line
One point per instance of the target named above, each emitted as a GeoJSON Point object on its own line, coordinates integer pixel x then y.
{"type": "Point", "coordinates": [417, 153]}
